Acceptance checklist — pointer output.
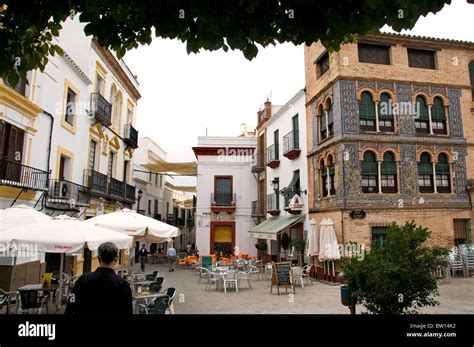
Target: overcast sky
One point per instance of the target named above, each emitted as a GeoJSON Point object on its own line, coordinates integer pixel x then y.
{"type": "Point", "coordinates": [183, 94]}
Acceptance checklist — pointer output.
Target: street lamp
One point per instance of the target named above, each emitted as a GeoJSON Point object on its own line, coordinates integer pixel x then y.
{"type": "Point", "coordinates": [276, 189]}
{"type": "Point", "coordinates": [139, 197]}
{"type": "Point", "coordinates": [276, 185]}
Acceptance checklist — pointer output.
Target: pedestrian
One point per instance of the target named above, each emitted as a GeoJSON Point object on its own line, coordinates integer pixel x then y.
{"type": "Point", "coordinates": [171, 254]}
{"type": "Point", "coordinates": [101, 291]}
{"type": "Point", "coordinates": [188, 248]}
{"type": "Point", "coordinates": [143, 257]}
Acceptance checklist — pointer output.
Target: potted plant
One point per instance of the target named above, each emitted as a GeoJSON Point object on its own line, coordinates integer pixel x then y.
{"type": "Point", "coordinates": [261, 247]}
{"type": "Point", "coordinates": [299, 247]}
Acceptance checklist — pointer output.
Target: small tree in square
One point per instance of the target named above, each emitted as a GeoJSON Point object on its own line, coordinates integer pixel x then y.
{"type": "Point", "coordinates": [397, 276]}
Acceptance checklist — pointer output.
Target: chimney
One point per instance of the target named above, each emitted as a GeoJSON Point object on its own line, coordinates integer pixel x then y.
{"type": "Point", "coordinates": [267, 109]}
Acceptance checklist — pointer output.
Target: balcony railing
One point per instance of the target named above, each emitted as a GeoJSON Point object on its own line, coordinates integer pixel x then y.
{"type": "Point", "coordinates": [258, 164]}
{"type": "Point", "coordinates": [273, 159]}
{"type": "Point", "coordinates": [223, 199]}
{"type": "Point", "coordinates": [130, 192]}
{"type": "Point", "coordinates": [116, 188]}
{"type": "Point", "coordinates": [17, 175]}
{"type": "Point", "coordinates": [96, 182]}
{"type": "Point", "coordinates": [291, 142]}
{"type": "Point", "coordinates": [130, 136]}
{"type": "Point", "coordinates": [257, 208]}
{"type": "Point", "coordinates": [272, 203]}
{"type": "Point", "coordinates": [66, 192]}
{"type": "Point", "coordinates": [101, 109]}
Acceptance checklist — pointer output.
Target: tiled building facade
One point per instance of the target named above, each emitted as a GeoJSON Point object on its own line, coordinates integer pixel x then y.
{"type": "Point", "coordinates": [409, 164]}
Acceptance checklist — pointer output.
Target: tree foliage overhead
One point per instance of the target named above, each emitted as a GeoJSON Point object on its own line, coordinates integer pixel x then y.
{"type": "Point", "coordinates": [28, 27]}
{"type": "Point", "coordinates": [398, 276]}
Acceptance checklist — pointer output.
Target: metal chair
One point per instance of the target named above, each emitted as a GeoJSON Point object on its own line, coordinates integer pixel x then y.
{"type": "Point", "coordinates": [306, 273]}
{"type": "Point", "coordinates": [152, 276]}
{"type": "Point", "coordinates": [6, 300]}
{"type": "Point", "coordinates": [468, 259]}
{"type": "Point", "coordinates": [456, 263]}
{"type": "Point", "coordinates": [160, 306]}
{"type": "Point", "coordinates": [171, 292]}
{"type": "Point", "coordinates": [209, 275]}
{"type": "Point", "coordinates": [298, 275]}
{"type": "Point", "coordinates": [31, 300]}
{"type": "Point", "coordinates": [230, 277]}
{"type": "Point", "coordinates": [246, 275]}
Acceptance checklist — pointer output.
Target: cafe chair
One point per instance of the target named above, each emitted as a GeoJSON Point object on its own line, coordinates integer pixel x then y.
{"type": "Point", "coordinates": [246, 275]}
{"type": "Point", "coordinates": [171, 292]}
{"type": "Point", "coordinates": [31, 301]}
{"type": "Point", "coordinates": [230, 277]}
{"type": "Point", "coordinates": [306, 272]}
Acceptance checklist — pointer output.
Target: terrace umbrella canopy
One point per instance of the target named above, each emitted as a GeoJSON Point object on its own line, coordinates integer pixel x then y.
{"type": "Point", "coordinates": [20, 215]}
{"type": "Point", "coordinates": [328, 247]}
{"type": "Point", "coordinates": [62, 235]}
{"type": "Point", "coordinates": [137, 225]}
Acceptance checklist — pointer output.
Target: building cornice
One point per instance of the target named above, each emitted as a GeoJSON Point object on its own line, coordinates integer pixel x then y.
{"type": "Point", "coordinates": [67, 58]}
{"type": "Point", "coordinates": [116, 69]}
{"type": "Point", "coordinates": [11, 98]}
{"type": "Point", "coordinates": [226, 151]}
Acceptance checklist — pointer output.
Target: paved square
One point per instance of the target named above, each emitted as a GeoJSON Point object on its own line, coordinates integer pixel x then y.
{"type": "Point", "coordinates": [456, 296]}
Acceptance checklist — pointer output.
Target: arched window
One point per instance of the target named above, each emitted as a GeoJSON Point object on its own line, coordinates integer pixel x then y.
{"type": "Point", "coordinates": [471, 76]}
{"type": "Point", "coordinates": [443, 183]}
{"type": "Point", "coordinates": [389, 173]}
{"type": "Point", "coordinates": [117, 110]}
{"type": "Point", "coordinates": [369, 173]}
{"type": "Point", "coordinates": [324, 179]}
{"type": "Point", "coordinates": [367, 112]}
{"type": "Point", "coordinates": [422, 120]}
{"type": "Point", "coordinates": [425, 174]}
{"type": "Point", "coordinates": [385, 114]}
{"type": "Point", "coordinates": [322, 124]}
{"type": "Point", "coordinates": [438, 116]}
{"type": "Point", "coordinates": [330, 119]}
{"type": "Point", "coordinates": [332, 186]}
{"type": "Point", "coordinates": [112, 101]}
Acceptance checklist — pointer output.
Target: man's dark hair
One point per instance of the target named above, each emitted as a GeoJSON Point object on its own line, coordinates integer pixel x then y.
{"type": "Point", "coordinates": [108, 252]}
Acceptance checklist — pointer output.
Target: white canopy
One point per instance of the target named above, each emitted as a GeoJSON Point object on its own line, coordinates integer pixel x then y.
{"type": "Point", "coordinates": [313, 242]}
{"type": "Point", "coordinates": [20, 215]}
{"type": "Point", "coordinates": [328, 246]}
{"type": "Point", "coordinates": [137, 225]}
{"type": "Point", "coordinates": [64, 236]}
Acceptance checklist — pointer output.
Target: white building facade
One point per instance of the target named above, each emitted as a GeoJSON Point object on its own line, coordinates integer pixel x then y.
{"type": "Point", "coordinates": [225, 189]}
{"type": "Point", "coordinates": [280, 167]}
{"type": "Point", "coordinates": [67, 138]}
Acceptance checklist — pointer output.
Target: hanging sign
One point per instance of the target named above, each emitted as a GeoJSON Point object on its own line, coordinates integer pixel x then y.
{"type": "Point", "coordinates": [296, 203]}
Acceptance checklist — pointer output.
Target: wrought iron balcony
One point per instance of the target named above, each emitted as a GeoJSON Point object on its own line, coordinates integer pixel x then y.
{"type": "Point", "coordinates": [96, 182]}
{"type": "Point", "coordinates": [257, 208]}
{"type": "Point", "coordinates": [273, 159]}
{"type": "Point", "coordinates": [130, 193]}
{"type": "Point", "coordinates": [273, 204]}
{"type": "Point", "coordinates": [130, 136]}
{"type": "Point", "coordinates": [223, 199]}
{"type": "Point", "coordinates": [17, 175]}
{"type": "Point", "coordinates": [116, 188]}
{"type": "Point", "coordinates": [258, 164]}
{"type": "Point", "coordinates": [101, 109]}
{"type": "Point", "coordinates": [291, 145]}
{"type": "Point", "coordinates": [66, 192]}
{"type": "Point", "coordinates": [223, 202]}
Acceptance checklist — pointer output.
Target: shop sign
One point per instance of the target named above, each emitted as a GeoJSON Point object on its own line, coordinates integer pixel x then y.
{"type": "Point", "coordinates": [296, 203]}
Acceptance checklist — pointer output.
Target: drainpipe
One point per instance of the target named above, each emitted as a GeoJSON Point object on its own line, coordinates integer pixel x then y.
{"type": "Point", "coordinates": [49, 139]}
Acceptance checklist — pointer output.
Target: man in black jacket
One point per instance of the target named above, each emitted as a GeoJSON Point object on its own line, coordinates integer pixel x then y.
{"type": "Point", "coordinates": [101, 291]}
{"type": "Point", "coordinates": [143, 257]}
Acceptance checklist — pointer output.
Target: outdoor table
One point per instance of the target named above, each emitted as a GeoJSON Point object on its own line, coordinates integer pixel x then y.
{"type": "Point", "coordinates": [138, 275]}
{"type": "Point", "coordinates": [141, 283]}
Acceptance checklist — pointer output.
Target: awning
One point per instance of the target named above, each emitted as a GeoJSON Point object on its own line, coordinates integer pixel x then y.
{"type": "Point", "coordinates": [161, 166]}
{"type": "Point", "coordinates": [273, 225]}
{"type": "Point", "coordinates": [189, 189]}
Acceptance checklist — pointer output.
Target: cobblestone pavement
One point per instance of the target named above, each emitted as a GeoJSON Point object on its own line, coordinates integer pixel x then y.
{"type": "Point", "coordinates": [456, 296]}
